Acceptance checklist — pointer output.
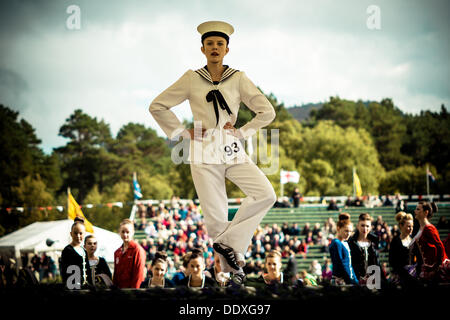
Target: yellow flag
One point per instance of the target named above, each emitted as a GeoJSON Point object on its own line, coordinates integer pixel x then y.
{"type": "Point", "coordinates": [357, 183]}
{"type": "Point", "coordinates": [75, 211]}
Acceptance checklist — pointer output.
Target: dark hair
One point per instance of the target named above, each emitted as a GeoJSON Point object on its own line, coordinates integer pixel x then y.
{"type": "Point", "coordinates": [196, 253]}
{"type": "Point", "coordinates": [217, 34]}
{"type": "Point", "coordinates": [160, 256]}
{"type": "Point", "coordinates": [364, 217]}
{"type": "Point", "coordinates": [88, 237]}
{"type": "Point", "coordinates": [186, 259]}
{"type": "Point", "coordinates": [431, 207]}
{"type": "Point", "coordinates": [344, 219]}
{"type": "Point", "coordinates": [77, 220]}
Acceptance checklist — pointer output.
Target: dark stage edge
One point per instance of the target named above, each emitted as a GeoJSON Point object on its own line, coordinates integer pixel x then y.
{"type": "Point", "coordinates": [221, 303]}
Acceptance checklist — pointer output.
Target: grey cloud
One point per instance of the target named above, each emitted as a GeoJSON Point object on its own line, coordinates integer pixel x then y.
{"type": "Point", "coordinates": [12, 87]}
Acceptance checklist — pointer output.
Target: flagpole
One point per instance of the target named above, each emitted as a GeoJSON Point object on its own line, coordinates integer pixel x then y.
{"type": "Point", "coordinates": [353, 179]}
{"type": "Point", "coordinates": [68, 201]}
{"type": "Point", "coordinates": [428, 183]}
{"type": "Point", "coordinates": [134, 179]}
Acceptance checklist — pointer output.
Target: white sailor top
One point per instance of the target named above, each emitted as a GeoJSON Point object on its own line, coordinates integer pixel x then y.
{"type": "Point", "coordinates": [213, 105]}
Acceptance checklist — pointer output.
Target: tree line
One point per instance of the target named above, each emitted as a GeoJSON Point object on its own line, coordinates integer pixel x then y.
{"type": "Point", "coordinates": [389, 148]}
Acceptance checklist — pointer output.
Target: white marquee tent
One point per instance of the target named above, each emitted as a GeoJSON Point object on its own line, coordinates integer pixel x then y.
{"type": "Point", "coordinates": [36, 237]}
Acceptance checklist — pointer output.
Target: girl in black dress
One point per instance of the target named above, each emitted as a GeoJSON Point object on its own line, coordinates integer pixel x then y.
{"type": "Point", "coordinates": [363, 247]}
{"type": "Point", "coordinates": [401, 249]}
{"type": "Point", "coordinates": [196, 267]}
{"type": "Point", "coordinates": [159, 269]}
{"type": "Point", "coordinates": [98, 267]}
{"type": "Point", "coordinates": [74, 259]}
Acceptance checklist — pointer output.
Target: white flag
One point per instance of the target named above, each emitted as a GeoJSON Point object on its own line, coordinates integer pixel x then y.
{"type": "Point", "coordinates": [289, 176]}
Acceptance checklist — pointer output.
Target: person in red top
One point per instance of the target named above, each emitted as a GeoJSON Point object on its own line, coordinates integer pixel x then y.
{"type": "Point", "coordinates": [129, 259]}
{"type": "Point", "coordinates": [435, 262]}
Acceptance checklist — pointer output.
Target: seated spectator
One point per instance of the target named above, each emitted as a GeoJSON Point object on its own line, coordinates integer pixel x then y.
{"type": "Point", "coordinates": [377, 222]}
{"type": "Point", "coordinates": [291, 267]}
{"type": "Point", "coordinates": [267, 248]}
{"type": "Point", "coordinates": [142, 212]}
{"type": "Point", "coordinates": [302, 249]}
{"type": "Point", "coordinates": [142, 225]}
{"type": "Point", "coordinates": [267, 240]}
{"type": "Point", "coordinates": [332, 205]}
{"type": "Point", "coordinates": [182, 211]}
{"type": "Point", "coordinates": [286, 240]}
{"type": "Point", "coordinates": [282, 202]}
{"type": "Point", "coordinates": [248, 254]}
{"type": "Point", "coordinates": [285, 228]}
{"type": "Point", "coordinates": [348, 202]}
{"type": "Point", "coordinates": [399, 203]}
{"type": "Point", "coordinates": [383, 244]}
{"type": "Point", "coordinates": [286, 252]}
{"type": "Point", "coordinates": [151, 253]}
{"type": "Point", "coordinates": [358, 202]}
{"type": "Point", "coordinates": [330, 226]}
{"type": "Point", "coordinates": [322, 241]}
{"type": "Point", "coordinates": [258, 250]}
{"type": "Point", "coordinates": [144, 244]}
{"type": "Point", "coordinates": [327, 274]}
{"type": "Point", "coordinates": [387, 201]}
{"type": "Point", "coordinates": [306, 229]}
{"type": "Point", "coordinates": [316, 229]}
{"type": "Point", "coordinates": [395, 231]}
{"type": "Point", "coordinates": [315, 269]}
{"type": "Point", "coordinates": [309, 238]}
{"type": "Point", "coordinates": [443, 223]}
{"type": "Point", "coordinates": [276, 241]}
{"type": "Point", "coordinates": [250, 267]}
{"type": "Point", "coordinates": [295, 230]}
{"type": "Point", "coordinates": [171, 270]}
{"type": "Point", "coordinates": [171, 244]}
{"type": "Point", "coordinates": [150, 230]}
{"type": "Point", "coordinates": [307, 279]}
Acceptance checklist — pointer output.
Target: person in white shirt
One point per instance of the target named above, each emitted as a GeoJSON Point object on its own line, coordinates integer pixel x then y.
{"type": "Point", "coordinates": [215, 150]}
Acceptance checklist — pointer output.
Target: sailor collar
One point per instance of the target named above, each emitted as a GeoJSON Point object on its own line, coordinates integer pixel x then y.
{"type": "Point", "coordinates": [215, 96]}
{"type": "Point", "coordinates": [204, 73]}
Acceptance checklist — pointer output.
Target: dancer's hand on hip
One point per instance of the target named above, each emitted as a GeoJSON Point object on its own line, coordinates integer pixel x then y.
{"type": "Point", "coordinates": [230, 129]}
{"type": "Point", "coordinates": [194, 134]}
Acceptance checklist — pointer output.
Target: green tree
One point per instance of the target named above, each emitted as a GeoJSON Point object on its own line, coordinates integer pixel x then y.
{"type": "Point", "coordinates": [20, 154]}
{"type": "Point", "coordinates": [407, 180]}
{"type": "Point", "coordinates": [328, 152]}
{"type": "Point", "coordinates": [385, 123]}
{"type": "Point", "coordinates": [85, 158]}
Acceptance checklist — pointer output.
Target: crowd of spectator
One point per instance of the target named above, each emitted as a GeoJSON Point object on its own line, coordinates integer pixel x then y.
{"type": "Point", "coordinates": [178, 228]}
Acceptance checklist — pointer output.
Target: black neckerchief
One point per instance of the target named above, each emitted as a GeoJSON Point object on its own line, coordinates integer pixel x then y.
{"type": "Point", "coordinates": [215, 96]}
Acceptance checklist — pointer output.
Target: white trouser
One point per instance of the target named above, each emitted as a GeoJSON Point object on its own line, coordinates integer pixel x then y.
{"type": "Point", "coordinates": [209, 181]}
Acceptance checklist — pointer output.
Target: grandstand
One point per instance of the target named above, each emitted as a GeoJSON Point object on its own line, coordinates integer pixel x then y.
{"type": "Point", "coordinates": [319, 213]}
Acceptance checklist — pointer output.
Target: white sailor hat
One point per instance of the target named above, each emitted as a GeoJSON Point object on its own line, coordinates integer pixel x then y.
{"type": "Point", "coordinates": [215, 28]}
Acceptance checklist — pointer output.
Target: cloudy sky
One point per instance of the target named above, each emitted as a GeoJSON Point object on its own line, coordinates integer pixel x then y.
{"type": "Point", "coordinates": [124, 53]}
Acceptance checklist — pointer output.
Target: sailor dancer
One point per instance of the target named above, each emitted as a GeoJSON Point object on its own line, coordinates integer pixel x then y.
{"type": "Point", "coordinates": [216, 152]}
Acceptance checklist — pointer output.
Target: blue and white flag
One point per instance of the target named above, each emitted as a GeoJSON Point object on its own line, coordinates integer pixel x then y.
{"type": "Point", "coordinates": [430, 176]}
{"type": "Point", "coordinates": [136, 188]}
